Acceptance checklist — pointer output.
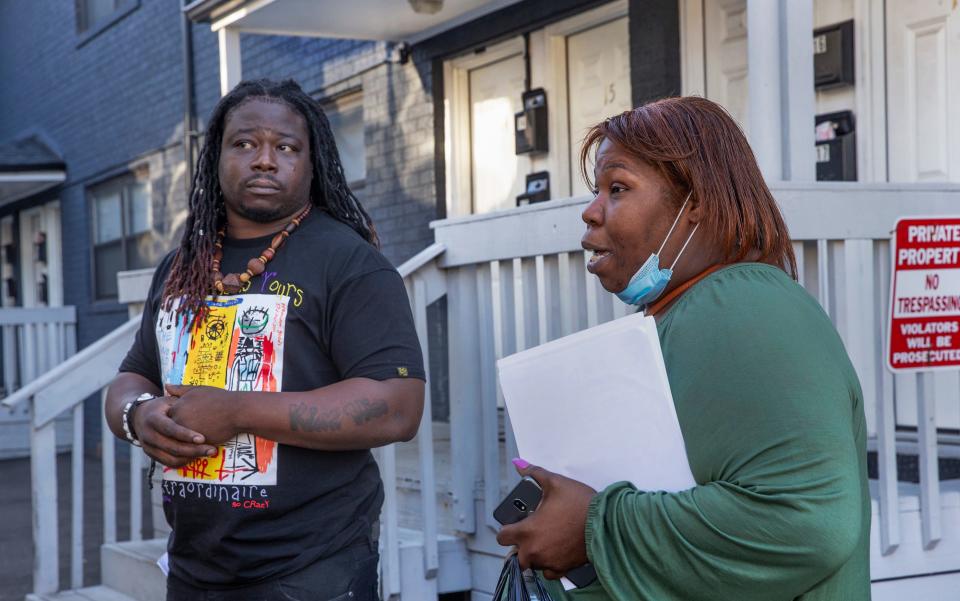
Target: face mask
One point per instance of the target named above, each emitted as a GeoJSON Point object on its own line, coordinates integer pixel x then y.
{"type": "Point", "coordinates": [649, 282]}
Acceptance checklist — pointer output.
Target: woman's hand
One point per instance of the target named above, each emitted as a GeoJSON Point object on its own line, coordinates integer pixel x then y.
{"type": "Point", "coordinates": [552, 537]}
{"type": "Point", "coordinates": [204, 409]}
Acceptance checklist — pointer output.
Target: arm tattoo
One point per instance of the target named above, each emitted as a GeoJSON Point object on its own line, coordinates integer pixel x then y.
{"type": "Point", "coordinates": [309, 418]}
{"type": "Point", "coordinates": [365, 410]}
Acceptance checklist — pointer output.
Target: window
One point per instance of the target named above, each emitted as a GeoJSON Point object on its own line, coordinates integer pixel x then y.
{"type": "Point", "coordinates": [346, 120]}
{"type": "Point", "coordinates": [95, 15]}
{"type": "Point", "coordinates": [122, 237]}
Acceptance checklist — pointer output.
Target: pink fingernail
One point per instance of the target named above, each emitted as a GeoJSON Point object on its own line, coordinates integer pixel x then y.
{"type": "Point", "coordinates": [520, 463]}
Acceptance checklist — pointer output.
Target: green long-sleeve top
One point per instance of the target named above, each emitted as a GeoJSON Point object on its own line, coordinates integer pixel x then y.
{"type": "Point", "coordinates": [772, 417]}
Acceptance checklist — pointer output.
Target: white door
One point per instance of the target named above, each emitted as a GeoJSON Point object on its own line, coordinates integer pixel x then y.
{"type": "Point", "coordinates": [40, 257]}
{"type": "Point", "coordinates": [498, 174]}
{"type": "Point", "coordinates": [598, 84]}
{"type": "Point", "coordinates": [923, 90]}
{"type": "Point", "coordinates": [725, 55]}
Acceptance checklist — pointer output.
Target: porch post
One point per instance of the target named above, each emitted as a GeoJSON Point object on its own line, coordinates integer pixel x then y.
{"type": "Point", "coordinates": [230, 68]}
{"type": "Point", "coordinates": [799, 160]}
{"type": "Point", "coordinates": [763, 66]}
{"type": "Point", "coordinates": [781, 97]}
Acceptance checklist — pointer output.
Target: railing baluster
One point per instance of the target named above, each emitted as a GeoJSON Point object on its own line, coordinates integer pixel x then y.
{"type": "Point", "coordinates": [542, 331]}
{"type": "Point", "coordinates": [520, 343]}
{"type": "Point", "coordinates": [929, 468]}
{"type": "Point", "coordinates": [10, 379]}
{"type": "Point", "coordinates": [567, 317]}
{"type": "Point", "coordinates": [43, 478]}
{"type": "Point", "coordinates": [109, 478]}
{"type": "Point", "coordinates": [428, 485]}
{"type": "Point", "coordinates": [489, 428]}
{"type": "Point", "coordinates": [823, 275]}
{"type": "Point", "coordinates": [390, 532]}
{"type": "Point", "coordinates": [798, 254]}
{"type": "Point", "coordinates": [136, 493]}
{"type": "Point", "coordinates": [590, 286]}
{"type": "Point", "coordinates": [466, 438]}
{"type": "Point", "coordinates": [888, 496]}
{"type": "Point", "coordinates": [76, 498]}
{"type": "Point", "coordinates": [53, 351]}
{"type": "Point", "coordinates": [29, 352]}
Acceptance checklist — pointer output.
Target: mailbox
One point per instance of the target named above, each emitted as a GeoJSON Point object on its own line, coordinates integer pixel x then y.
{"type": "Point", "coordinates": [40, 247]}
{"type": "Point", "coordinates": [836, 147]}
{"type": "Point", "coordinates": [833, 55]}
{"type": "Point", "coordinates": [531, 123]}
{"type": "Point", "coordinates": [537, 189]}
{"type": "Point", "coordinates": [43, 290]}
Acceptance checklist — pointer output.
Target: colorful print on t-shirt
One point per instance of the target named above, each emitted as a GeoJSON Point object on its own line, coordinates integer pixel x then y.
{"type": "Point", "coordinates": [239, 346]}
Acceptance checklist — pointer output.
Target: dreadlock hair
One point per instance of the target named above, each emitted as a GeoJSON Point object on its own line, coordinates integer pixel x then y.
{"type": "Point", "coordinates": [190, 275]}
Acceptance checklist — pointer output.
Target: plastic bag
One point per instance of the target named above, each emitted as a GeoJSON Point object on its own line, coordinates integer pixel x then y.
{"type": "Point", "coordinates": [512, 585]}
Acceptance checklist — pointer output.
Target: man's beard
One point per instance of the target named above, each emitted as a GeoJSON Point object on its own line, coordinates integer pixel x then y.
{"type": "Point", "coordinates": [268, 214]}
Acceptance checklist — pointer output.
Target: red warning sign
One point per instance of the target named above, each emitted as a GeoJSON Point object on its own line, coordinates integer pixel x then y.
{"type": "Point", "coordinates": [925, 295]}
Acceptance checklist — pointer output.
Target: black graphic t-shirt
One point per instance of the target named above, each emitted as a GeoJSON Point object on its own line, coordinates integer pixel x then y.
{"type": "Point", "coordinates": [328, 307]}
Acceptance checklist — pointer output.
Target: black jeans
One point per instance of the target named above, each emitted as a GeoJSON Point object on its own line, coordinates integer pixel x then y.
{"type": "Point", "coordinates": [350, 575]}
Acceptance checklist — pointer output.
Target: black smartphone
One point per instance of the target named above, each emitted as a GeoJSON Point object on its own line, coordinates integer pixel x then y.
{"type": "Point", "coordinates": [519, 503]}
{"type": "Point", "coordinates": [582, 576]}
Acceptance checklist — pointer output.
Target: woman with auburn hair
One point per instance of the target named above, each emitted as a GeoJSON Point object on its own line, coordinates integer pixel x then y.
{"type": "Point", "coordinates": [683, 226]}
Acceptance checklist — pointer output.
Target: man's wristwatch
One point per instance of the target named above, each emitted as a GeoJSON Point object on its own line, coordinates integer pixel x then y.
{"type": "Point", "coordinates": [127, 417]}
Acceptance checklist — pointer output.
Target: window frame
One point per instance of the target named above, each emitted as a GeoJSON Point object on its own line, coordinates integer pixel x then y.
{"type": "Point", "coordinates": [346, 100]}
{"type": "Point", "coordinates": [125, 183]}
{"type": "Point", "coordinates": [88, 31]}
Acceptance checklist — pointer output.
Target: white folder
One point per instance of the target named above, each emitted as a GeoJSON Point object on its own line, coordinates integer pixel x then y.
{"type": "Point", "coordinates": [596, 406]}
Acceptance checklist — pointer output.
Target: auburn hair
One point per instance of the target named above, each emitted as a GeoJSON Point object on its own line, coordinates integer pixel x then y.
{"type": "Point", "coordinates": [698, 148]}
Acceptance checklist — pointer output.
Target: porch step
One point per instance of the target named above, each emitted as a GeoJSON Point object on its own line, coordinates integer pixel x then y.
{"type": "Point", "coordinates": [93, 593]}
{"type": "Point", "coordinates": [131, 568]}
{"type": "Point", "coordinates": [453, 574]}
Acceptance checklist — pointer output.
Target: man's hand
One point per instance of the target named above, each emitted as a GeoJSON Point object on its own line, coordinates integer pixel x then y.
{"type": "Point", "coordinates": [205, 409]}
{"type": "Point", "coordinates": [163, 439]}
{"type": "Point", "coordinates": [552, 538]}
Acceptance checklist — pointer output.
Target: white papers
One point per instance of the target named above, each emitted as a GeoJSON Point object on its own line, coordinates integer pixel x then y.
{"type": "Point", "coordinates": [164, 563]}
{"type": "Point", "coordinates": [596, 406]}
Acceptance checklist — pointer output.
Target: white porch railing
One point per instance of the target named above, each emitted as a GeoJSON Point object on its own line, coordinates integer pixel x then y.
{"type": "Point", "coordinates": [32, 341]}
{"type": "Point", "coordinates": [58, 392]}
{"type": "Point", "coordinates": [516, 279]}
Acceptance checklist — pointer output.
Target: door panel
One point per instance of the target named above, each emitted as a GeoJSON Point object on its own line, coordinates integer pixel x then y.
{"type": "Point", "coordinates": [923, 89]}
{"type": "Point", "coordinates": [725, 43]}
{"type": "Point", "coordinates": [598, 80]}
{"type": "Point", "coordinates": [498, 174]}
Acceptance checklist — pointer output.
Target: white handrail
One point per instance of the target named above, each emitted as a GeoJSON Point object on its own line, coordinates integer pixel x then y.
{"type": "Point", "coordinates": [56, 375]}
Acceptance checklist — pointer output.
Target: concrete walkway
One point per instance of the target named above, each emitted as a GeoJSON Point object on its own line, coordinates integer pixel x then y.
{"type": "Point", "coordinates": [16, 540]}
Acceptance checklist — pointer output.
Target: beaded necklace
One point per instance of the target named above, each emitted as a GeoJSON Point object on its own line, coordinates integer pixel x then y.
{"type": "Point", "coordinates": [232, 283]}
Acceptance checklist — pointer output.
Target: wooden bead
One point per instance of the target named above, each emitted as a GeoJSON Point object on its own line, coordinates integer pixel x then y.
{"type": "Point", "coordinates": [231, 283]}
{"type": "Point", "coordinates": [255, 267]}
{"type": "Point", "coordinates": [268, 254]}
{"type": "Point", "coordinates": [244, 277]}
{"type": "Point", "coordinates": [277, 241]}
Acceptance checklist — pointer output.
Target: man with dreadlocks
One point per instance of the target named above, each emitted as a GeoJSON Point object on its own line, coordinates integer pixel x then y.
{"type": "Point", "coordinates": [276, 349]}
